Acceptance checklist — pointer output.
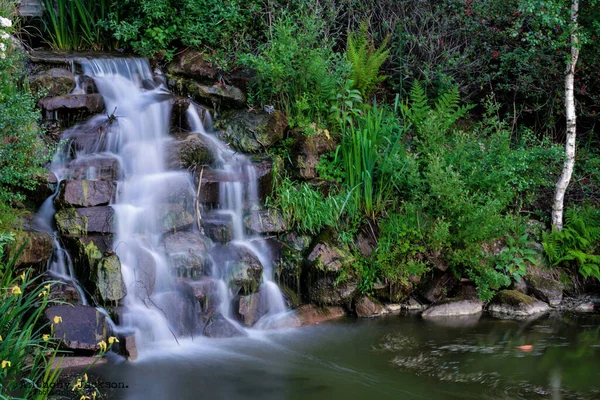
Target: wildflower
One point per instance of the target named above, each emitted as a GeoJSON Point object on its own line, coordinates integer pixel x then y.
{"type": "Point", "coordinates": [77, 386]}
{"type": "Point", "coordinates": [47, 287]}
{"type": "Point", "coordinates": [16, 290]}
{"type": "Point", "coordinates": [2, 47]}
{"type": "Point", "coordinates": [46, 337]}
{"type": "Point", "coordinates": [5, 364]}
{"type": "Point", "coordinates": [5, 22]}
{"type": "Point", "coordinates": [85, 378]}
{"type": "Point", "coordinates": [1, 338]}
{"type": "Point", "coordinates": [102, 345]}
{"type": "Point", "coordinates": [2, 56]}
{"type": "Point", "coordinates": [84, 397]}
{"type": "Point", "coordinates": [4, 35]}
{"type": "Point", "coordinates": [57, 319]}
{"type": "Point", "coordinates": [43, 293]}
{"type": "Point", "coordinates": [94, 396]}
{"type": "Point", "coordinates": [112, 339]}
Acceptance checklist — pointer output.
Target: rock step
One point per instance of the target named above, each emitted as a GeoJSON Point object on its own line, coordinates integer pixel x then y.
{"type": "Point", "coordinates": [84, 193]}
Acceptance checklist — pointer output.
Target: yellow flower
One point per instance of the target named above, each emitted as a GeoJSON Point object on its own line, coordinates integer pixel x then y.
{"type": "Point", "coordinates": [102, 345]}
{"type": "Point", "coordinates": [46, 337]}
{"type": "Point", "coordinates": [84, 397]}
{"type": "Point", "coordinates": [43, 293]}
{"type": "Point", "coordinates": [77, 386]}
{"type": "Point", "coordinates": [5, 364]}
{"type": "Point", "coordinates": [112, 339]}
{"type": "Point", "coordinates": [1, 338]}
{"type": "Point", "coordinates": [15, 290]}
{"type": "Point", "coordinates": [85, 378]}
{"type": "Point", "coordinates": [23, 276]}
{"type": "Point", "coordinates": [94, 396]}
{"type": "Point", "coordinates": [47, 287]}
{"type": "Point", "coordinates": [57, 319]}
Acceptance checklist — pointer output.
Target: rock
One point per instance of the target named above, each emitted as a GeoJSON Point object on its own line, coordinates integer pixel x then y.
{"type": "Point", "coordinates": [109, 280]}
{"type": "Point", "coordinates": [512, 303]}
{"type": "Point", "coordinates": [250, 308]}
{"type": "Point", "coordinates": [205, 293]}
{"type": "Point", "coordinates": [64, 292]}
{"type": "Point", "coordinates": [188, 253]}
{"type": "Point", "coordinates": [82, 221]}
{"type": "Point", "coordinates": [395, 292]}
{"type": "Point", "coordinates": [218, 327]}
{"type": "Point", "coordinates": [188, 151]}
{"type": "Point", "coordinates": [217, 227]}
{"type": "Point", "coordinates": [128, 344]}
{"type": "Point", "coordinates": [521, 286]}
{"type": "Point", "coordinates": [265, 221]}
{"type": "Point", "coordinates": [310, 314]}
{"type": "Point", "coordinates": [173, 218]}
{"type": "Point", "coordinates": [217, 95]}
{"type": "Point", "coordinates": [90, 103]}
{"type": "Point", "coordinates": [56, 81]}
{"type": "Point", "coordinates": [252, 131]}
{"type": "Point", "coordinates": [457, 321]}
{"type": "Point", "coordinates": [328, 257]}
{"type": "Point", "coordinates": [84, 193]}
{"type": "Point", "coordinates": [296, 241]}
{"type": "Point", "coordinates": [180, 310]}
{"type": "Point", "coordinates": [94, 167]}
{"type": "Point", "coordinates": [90, 137]}
{"type": "Point", "coordinates": [545, 288]}
{"type": "Point", "coordinates": [454, 308]}
{"type": "Point", "coordinates": [366, 308]}
{"type": "Point", "coordinates": [307, 149]}
{"type": "Point", "coordinates": [327, 291]}
{"type": "Point", "coordinates": [192, 64]}
{"type": "Point", "coordinates": [584, 308]}
{"type": "Point", "coordinates": [82, 327]}
{"type": "Point", "coordinates": [437, 289]}
{"type": "Point", "coordinates": [413, 305]}
{"type": "Point", "coordinates": [37, 251]}
{"type": "Point", "coordinates": [244, 270]}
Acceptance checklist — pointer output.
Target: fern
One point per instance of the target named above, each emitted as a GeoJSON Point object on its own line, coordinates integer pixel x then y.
{"type": "Point", "coordinates": [366, 61]}
{"type": "Point", "coordinates": [577, 242]}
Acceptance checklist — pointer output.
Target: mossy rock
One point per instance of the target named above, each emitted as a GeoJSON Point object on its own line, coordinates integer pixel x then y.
{"type": "Point", "coordinates": [514, 304]}
{"type": "Point", "coordinates": [109, 280]}
{"type": "Point", "coordinates": [252, 131]}
{"type": "Point", "coordinates": [54, 82]}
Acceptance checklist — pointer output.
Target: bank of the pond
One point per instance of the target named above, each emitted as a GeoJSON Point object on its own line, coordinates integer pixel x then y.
{"type": "Point", "coordinates": [554, 356]}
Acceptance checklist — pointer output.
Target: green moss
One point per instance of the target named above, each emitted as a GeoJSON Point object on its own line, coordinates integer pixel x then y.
{"type": "Point", "coordinates": [70, 222]}
{"type": "Point", "coordinates": [84, 186]}
{"type": "Point", "coordinates": [513, 298]}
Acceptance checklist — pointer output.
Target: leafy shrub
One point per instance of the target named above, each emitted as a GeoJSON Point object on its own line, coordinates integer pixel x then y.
{"type": "Point", "coordinates": [577, 242]}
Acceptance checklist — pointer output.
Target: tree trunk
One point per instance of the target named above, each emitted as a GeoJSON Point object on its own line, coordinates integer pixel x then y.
{"type": "Point", "coordinates": [565, 177]}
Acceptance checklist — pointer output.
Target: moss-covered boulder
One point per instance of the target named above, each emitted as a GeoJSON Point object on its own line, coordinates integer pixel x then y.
{"type": "Point", "coordinates": [367, 307]}
{"type": "Point", "coordinates": [307, 148]}
{"type": "Point", "coordinates": [36, 252]}
{"type": "Point", "coordinates": [109, 279]}
{"type": "Point", "coordinates": [173, 218]}
{"type": "Point", "coordinates": [252, 131]}
{"type": "Point", "coordinates": [240, 267]}
{"type": "Point", "coordinates": [249, 309]}
{"type": "Point", "coordinates": [266, 221]}
{"type": "Point", "coordinates": [82, 221]}
{"type": "Point", "coordinates": [51, 83]}
{"type": "Point", "coordinates": [85, 193]}
{"type": "Point", "coordinates": [216, 95]}
{"type": "Point", "coordinates": [88, 103]}
{"type": "Point", "coordinates": [514, 304]}
{"type": "Point", "coordinates": [545, 287]}
{"type": "Point", "coordinates": [193, 64]}
{"type": "Point", "coordinates": [188, 253]}
{"type": "Point", "coordinates": [187, 151]}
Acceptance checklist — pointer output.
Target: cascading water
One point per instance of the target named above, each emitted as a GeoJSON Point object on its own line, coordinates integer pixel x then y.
{"type": "Point", "coordinates": [152, 203]}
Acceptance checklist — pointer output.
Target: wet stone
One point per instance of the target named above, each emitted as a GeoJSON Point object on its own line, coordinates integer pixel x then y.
{"type": "Point", "coordinates": [81, 221]}
{"type": "Point", "coordinates": [217, 326]}
{"type": "Point", "coordinates": [82, 327]}
{"type": "Point", "coordinates": [86, 193]}
{"type": "Point", "coordinates": [188, 253]}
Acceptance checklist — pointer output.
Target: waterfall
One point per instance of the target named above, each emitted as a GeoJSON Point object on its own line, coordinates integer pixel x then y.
{"type": "Point", "coordinates": [153, 203]}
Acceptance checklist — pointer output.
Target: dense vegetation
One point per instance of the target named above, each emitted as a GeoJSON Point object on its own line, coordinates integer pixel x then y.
{"type": "Point", "coordinates": [449, 117]}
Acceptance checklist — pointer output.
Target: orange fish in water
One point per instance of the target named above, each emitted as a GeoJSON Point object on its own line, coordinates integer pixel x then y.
{"type": "Point", "coordinates": [525, 348]}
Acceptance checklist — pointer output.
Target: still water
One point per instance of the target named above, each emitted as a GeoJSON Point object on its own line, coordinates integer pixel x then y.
{"type": "Point", "coordinates": [395, 357]}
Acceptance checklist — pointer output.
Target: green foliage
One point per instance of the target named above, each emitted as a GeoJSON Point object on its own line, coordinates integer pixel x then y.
{"type": "Point", "coordinates": [513, 258]}
{"type": "Point", "coordinates": [297, 70]}
{"type": "Point", "coordinates": [22, 153]}
{"type": "Point", "coordinates": [75, 24]}
{"type": "Point", "coordinates": [577, 242]}
{"type": "Point", "coordinates": [366, 61]}
{"type": "Point", "coordinates": [25, 354]}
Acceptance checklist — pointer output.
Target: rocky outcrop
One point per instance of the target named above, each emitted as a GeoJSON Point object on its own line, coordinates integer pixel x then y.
{"type": "Point", "coordinates": [310, 314]}
{"type": "Point", "coordinates": [80, 327]}
{"type": "Point", "coordinates": [99, 166]}
{"type": "Point", "coordinates": [307, 149]}
{"type": "Point", "coordinates": [85, 193]}
{"type": "Point", "coordinates": [90, 103]}
{"type": "Point", "coordinates": [218, 327]}
{"type": "Point", "coordinates": [188, 151]}
{"type": "Point", "coordinates": [188, 253]}
{"type": "Point", "coordinates": [249, 309]}
{"type": "Point", "coordinates": [545, 287]}
{"type": "Point", "coordinates": [252, 131]}
{"type": "Point", "coordinates": [454, 308]}
{"type": "Point", "coordinates": [218, 95]}
{"type": "Point", "coordinates": [109, 280]}
{"type": "Point", "coordinates": [82, 221]}
{"type": "Point", "coordinates": [514, 304]}
{"type": "Point", "coordinates": [366, 307]}
{"type": "Point", "coordinates": [51, 83]}
{"type": "Point", "coordinates": [439, 287]}
{"type": "Point", "coordinates": [192, 64]}
{"type": "Point", "coordinates": [205, 293]}
{"type": "Point", "coordinates": [36, 249]}
{"type": "Point", "coordinates": [265, 221]}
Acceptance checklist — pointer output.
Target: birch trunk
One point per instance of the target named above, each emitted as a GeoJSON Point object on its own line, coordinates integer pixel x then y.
{"type": "Point", "coordinates": [565, 177]}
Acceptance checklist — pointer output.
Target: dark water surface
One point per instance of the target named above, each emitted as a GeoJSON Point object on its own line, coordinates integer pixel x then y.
{"type": "Point", "coordinates": [394, 357]}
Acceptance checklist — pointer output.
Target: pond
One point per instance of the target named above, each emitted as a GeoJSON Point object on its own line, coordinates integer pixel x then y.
{"type": "Point", "coordinates": [556, 356]}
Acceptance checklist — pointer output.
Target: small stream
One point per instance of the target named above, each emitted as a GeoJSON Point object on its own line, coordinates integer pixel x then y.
{"type": "Point", "coordinates": [394, 357]}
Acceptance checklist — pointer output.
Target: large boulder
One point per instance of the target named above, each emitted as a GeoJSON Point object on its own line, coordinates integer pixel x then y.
{"type": "Point", "coordinates": [81, 221]}
{"type": "Point", "coordinates": [81, 328]}
{"type": "Point", "coordinates": [181, 312]}
{"type": "Point", "coordinates": [95, 166]}
{"type": "Point", "coordinates": [188, 253]}
{"type": "Point", "coordinates": [205, 292]}
{"type": "Point", "coordinates": [438, 288]}
{"type": "Point", "coordinates": [545, 287]}
{"type": "Point", "coordinates": [89, 103]}
{"type": "Point", "coordinates": [173, 218]}
{"type": "Point", "coordinates": [87, 193]}
{"type": "Point", "coordinates": [217, 326]}
{"type": "Point", "coordinates": [307, 149]}
{"type": "Point", "coordinates": [51, 83]}
{"type": "Point", "coordinates": [514, 304]}
{"type": "Point", "coordinates": [109, 280]}
{"type": "Point", "coordinates": [252, 131]}
{"type": "Point", "coordinates": [266, 221]}
{"type": "Point", "coordinates": [188, 151]}
{"type": "Point", "coordinates": [249, 309]}
{"type": "Point", "coordinates": [366, 307]}
{"type": "Point", "coordinates": [454, 308]}
{"type": "Point", "coordinates": [36, 249]}
{"type": "Point", "coordinates": [309, 314]}
{"type": "Point", "coordinates": [243, 268]}
{"type": "Point", "coordinates": [213, 95]}
{"type": "Point", "coordinates": [193, 64]}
